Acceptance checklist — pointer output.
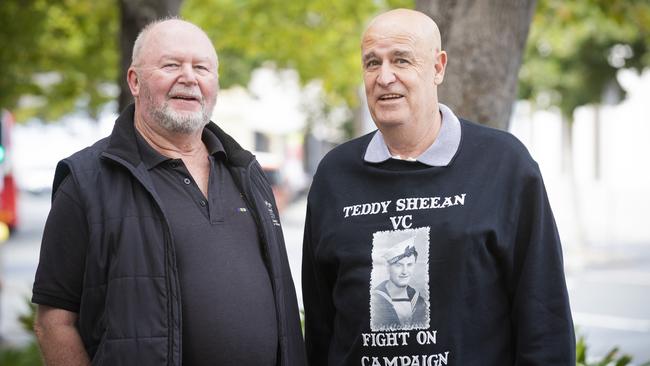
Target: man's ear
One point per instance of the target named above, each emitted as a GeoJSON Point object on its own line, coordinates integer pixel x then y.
{"type": "Point", "coordinates": [440, 66]}
{"type": "Point", "coordinates": [132, 78]}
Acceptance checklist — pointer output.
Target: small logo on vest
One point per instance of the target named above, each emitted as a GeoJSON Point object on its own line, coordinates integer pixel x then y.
{"type": "Point", "coordinates": [274, 219]}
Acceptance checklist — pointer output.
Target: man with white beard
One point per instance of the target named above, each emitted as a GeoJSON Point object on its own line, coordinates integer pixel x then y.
{"type": "Point", "coordinates": [162, 246]}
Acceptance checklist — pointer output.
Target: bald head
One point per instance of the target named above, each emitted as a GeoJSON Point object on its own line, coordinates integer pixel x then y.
{"type": "Point", "coordinates": [403, 64]}
{"type": "Point", "coordinates": [408, 23]}
{"type": "Point", "coordinates": [164, 25]}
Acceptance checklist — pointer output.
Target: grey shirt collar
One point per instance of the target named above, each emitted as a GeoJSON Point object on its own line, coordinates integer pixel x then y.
{"type": "Point", "coordinates": [440, 153]}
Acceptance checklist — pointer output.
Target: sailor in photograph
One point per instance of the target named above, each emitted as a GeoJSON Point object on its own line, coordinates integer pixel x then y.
{"type": "Point", "coordinates": [395, 304]}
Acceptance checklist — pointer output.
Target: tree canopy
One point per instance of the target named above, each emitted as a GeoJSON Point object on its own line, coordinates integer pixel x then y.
{"type": "Point", "coordinates": [63, 55]}
{"type": "Point", "coordinates": [58, 55]}
{"type": "Point", "coordinates": [576, 48]}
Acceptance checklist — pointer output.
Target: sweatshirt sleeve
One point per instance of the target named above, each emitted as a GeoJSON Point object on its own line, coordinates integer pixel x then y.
{"type": "Point", "coordinates": [541, 315]}
{"type": "Point", "coordinates": [317, 298]}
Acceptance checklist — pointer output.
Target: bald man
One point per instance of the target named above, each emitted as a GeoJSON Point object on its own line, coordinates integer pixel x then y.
{"type": "Point", "coordinates": [471, 199]}
{"type": "Point", "coordinates": [162, 246]}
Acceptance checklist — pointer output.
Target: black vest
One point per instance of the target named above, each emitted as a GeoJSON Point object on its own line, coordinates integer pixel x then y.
{"type": "Point", "coordinates": [130, 310]}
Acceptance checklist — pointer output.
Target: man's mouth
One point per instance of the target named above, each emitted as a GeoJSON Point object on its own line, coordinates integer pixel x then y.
{"type": "Point", "coordinates": [185, 97]}
{"type": "Point", "coordinates": [391, 96]}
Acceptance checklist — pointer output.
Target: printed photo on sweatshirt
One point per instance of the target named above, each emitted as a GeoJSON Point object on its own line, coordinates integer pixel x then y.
{"type": "Point", "coordinates": [399, 281]}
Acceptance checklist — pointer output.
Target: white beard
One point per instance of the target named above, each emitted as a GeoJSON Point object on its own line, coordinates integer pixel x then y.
{"type": "Point", "coordinates": [173, 121]}
{"type": "Point", "coordinates": [185, 123]}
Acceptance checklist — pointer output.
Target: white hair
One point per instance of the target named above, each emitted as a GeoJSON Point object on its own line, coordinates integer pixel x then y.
{"type": "Point", "coordinates": [139, 41]}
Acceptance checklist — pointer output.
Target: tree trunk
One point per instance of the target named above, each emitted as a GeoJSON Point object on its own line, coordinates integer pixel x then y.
{"type": "Point", "coordinates": [484, 41]}
{"type": "Point", "coordinates": [134, 15]}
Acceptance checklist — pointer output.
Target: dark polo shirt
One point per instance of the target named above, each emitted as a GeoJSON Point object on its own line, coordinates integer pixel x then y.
{"type": "Point", "coordinates": [228, 306]}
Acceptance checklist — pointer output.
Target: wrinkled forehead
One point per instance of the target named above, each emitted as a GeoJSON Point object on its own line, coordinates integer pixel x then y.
{"type": "Point", "coordinates": [399, 36]}
{"type": "Point", "coordinates": [378, 38]}
{"type": "Point", "coordinates": [178, 41]}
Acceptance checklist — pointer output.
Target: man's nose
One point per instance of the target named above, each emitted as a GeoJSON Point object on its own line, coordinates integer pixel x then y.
{"type": "Point", "coordinates": [188, 75]}
{"type": "Point", "coordinates": [386, 75]}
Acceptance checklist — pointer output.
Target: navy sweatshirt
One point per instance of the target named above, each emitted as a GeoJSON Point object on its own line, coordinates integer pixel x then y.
{"type": "Point", "coordinates": [406, 264]}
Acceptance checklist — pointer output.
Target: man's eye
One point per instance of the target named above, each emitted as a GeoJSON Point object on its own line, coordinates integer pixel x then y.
{"type": "Point", "coordinates": [401, 61]}
{"type": "Point", "coordinates": [201, 68]}
{"type": "Point", "coordinates": [171, 66]}
{"type": "Point", "coordinates": [372, 63]}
